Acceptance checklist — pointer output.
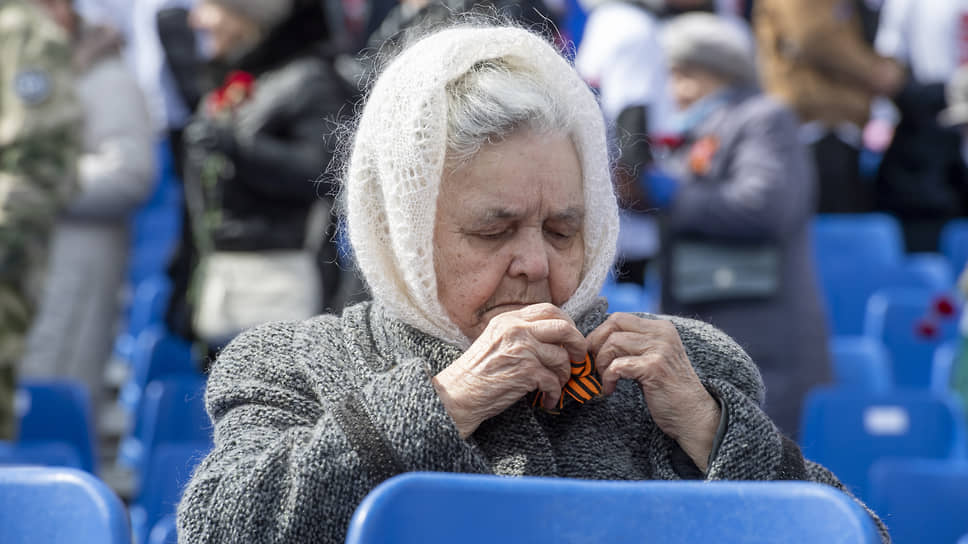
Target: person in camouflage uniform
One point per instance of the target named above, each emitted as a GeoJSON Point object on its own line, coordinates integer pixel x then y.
{"type": "Point", "coordinates": [39, 142]}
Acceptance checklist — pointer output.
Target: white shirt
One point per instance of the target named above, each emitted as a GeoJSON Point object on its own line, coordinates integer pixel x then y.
{"type": "Point", "coordinates": [620, 55]}
{"type": "Point", "coordinates": [930, 36]}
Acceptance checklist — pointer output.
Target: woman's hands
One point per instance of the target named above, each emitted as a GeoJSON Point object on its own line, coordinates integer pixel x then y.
{"type": "Point", "coordinates": [519, 351]}
{"type": "Point", "coordinates": [532, 349]}
{"type": "Point", "coordinates": [650, 352]}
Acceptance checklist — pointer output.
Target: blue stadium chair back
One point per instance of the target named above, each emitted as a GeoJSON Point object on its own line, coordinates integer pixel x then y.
{"type": "Point", "coordinates": [954, 243]}
{"type": "Point", "coordinates": [40, 505]}
{"type": "Point", "coordinates": [848, 430]}
{"type": "Point", "coordinates": [911, 329]}
{"type": "Point", "coordinates": [432, 508]}
{"type": "Point", "coordinates": [156, 227]}
{"type": "Point", "coordinates": [872, 238]}
{"type": "Point", "coordinates": [157, 354]}
{"type": "Point", "coordinates": [847, 287]}
{"type": "Point", "coordinates": [59, 411]}
{"type": "Point", "coordinates": [48, 454]}
{"type": "Point", "coordinates": [943, 364]}
{"type": "Point", "coordinates": [164, 532]}
{"type": "Point", "coordinates": [627, 297]}
{"type": "Point", "coordinates": [921, 500]}
{"type": "Point", "coordinates": [171, 468]}
{"type": "Point", "coordinates": [146, 311]}
{"type": "Point", "coordinates": [173, 411]}
{"type": "Point", "coordinates": [963, 539]}
{"type": "Point", "coordinates": [861, 363]}
{"type": "Point", "coordinates": [933, 269]}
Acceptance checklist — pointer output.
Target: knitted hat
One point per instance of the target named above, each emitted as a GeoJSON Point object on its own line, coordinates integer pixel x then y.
{"type": "Point", "coordinates": [712, 43]}
{"type": "Point", "coordinates": [266, 13]}
{"type": "Point", "coordinates": [396, 167]}
{"type": "Point", "coordinates": [956, 114]}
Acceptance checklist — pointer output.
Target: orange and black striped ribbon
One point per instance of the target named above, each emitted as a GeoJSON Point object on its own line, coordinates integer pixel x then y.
{"type": "Point", "coordinates": [583, 386]}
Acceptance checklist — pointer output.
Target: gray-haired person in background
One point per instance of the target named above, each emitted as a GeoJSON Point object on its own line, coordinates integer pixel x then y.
{"type": "Point", "coordinates": [736, 251]}
{"type": "Point", "coordinates": [481, 213]}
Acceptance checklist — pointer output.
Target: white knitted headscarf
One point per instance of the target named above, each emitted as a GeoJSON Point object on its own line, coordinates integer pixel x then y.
{"type": "Point", "coordinates": [397, 164]}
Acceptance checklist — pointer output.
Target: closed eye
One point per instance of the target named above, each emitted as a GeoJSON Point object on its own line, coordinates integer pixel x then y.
{"type": "Point", "coordinates": [494, 235]}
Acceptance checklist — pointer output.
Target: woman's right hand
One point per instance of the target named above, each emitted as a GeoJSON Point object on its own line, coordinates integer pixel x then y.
{"type": "Point", "coordinates": [518, 352]}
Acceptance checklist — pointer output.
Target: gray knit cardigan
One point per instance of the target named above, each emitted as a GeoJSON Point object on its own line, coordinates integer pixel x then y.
{"type": "Point", "coordinates": [310, 416]}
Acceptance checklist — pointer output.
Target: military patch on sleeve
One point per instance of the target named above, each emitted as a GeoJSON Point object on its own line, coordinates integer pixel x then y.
{"type": "Point", "coordinates": [32, 86]}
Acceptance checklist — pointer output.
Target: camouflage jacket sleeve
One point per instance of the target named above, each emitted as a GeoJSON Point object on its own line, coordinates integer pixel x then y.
{"type": "Point", "coordinates": [39, 119]}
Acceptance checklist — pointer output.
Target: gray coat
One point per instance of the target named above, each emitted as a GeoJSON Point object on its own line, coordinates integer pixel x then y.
{"type": "Point", "coordinates": [759, 188]}
{"type": "Point", "coordinates": [74, 332]}
{"type": "Point", "coordinates": [310, 416]}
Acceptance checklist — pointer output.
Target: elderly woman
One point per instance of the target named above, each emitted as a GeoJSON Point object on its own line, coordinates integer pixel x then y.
{"type": "Point", "coordinates": [736, 230]}
{"type": "Point", "coordinates": [482, 215]}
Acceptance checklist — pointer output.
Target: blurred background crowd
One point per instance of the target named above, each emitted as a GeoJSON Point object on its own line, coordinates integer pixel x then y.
{"type": "Point", "coordinates": [207, 141]}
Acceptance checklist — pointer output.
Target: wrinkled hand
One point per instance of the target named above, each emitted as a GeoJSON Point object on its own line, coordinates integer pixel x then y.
{"type": "Point", "coordinates": [519, 351]}
{"type": "Point", "coordinates": [651, 353]}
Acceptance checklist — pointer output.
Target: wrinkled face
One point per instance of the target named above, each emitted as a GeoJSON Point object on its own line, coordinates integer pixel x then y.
{"type": "Point", "coordinates": [226, 29]}
{"type": "Point", "coordinates": [508, 231]}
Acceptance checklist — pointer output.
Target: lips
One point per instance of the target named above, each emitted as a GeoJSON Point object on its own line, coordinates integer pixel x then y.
{"type": "Point", "coordinates": [508, 306]}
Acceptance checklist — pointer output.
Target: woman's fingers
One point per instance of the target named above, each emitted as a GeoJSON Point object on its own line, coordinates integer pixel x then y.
{"type": "Point", "coordinates": [547, 382]}
{"type": "Point", "coordinates": [520, 351]}
{"type": "Point", "coordinates": [562, 334]}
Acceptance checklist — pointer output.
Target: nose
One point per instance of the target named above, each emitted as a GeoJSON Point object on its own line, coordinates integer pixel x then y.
{"type": "Point", "coordinates": [530, 256]}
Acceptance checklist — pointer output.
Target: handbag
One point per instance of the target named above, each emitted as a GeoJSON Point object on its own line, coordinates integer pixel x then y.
{"type": "Point", "coordinates": [705, 271]}
{"type": "Point", "coordinates": [238, 290]}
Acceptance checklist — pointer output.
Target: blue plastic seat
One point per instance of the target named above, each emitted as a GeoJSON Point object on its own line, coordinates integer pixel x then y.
{"type": "Point", "coordinates": [954, 243]}
{"type": "Point", "coordinates": [58, 411]}
{"type": "Point", "coordinates": [847, 287]}
{"type": "Point", "coordinates": [943, 364]}
{"type": "Point", "coordinates": [848, 430]}
{"type": "Point", "coordinates": [49, 454]}
{"type": "Point", "coordinates": [146, 311]}
{"type": "Point", "coordinates": [164, 532]}
{"type": "Point", "coordinates": [156, 227]}
{"type": "Point", "coordinates": [861, 363]}
{"type": "Point", "coordinates": [432, 508]}
{"type": "Point", "coordinates": [859, 254]}
{"type": "Point", "coordinates": [921, 500]}
{"type": "Point", "coordinates": [873, 238]}
{"type": "Point", "coordinates": [906, 322]}
{"type": "Point", "coordinates": [627, 297]}
{"type": "Point", "coordinates": [171, 469]}
{"type": "Point", "coordinates": [157, 354]}
{"type": "Point", "coordinates": [933, 268]}
{"type": "Point", "coordinates": [173, 411]}
{"type": "Point", "coordinates": [53, 505]}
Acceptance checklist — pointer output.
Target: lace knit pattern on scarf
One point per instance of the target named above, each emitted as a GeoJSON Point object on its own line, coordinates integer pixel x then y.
{"type": "Point", "coordinates": [397, 163]}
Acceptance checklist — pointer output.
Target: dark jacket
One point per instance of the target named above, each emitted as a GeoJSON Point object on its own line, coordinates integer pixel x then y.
{"type": "Point", "coordinates": [278, 142]}
{"type": "Point", "coordinates": [758, 191]}
{"type": "Point", "coordinates": [923, 175]}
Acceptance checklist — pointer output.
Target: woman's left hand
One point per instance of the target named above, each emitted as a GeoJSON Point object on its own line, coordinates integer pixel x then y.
{"type": "Point", "coordinates": [650, 352]}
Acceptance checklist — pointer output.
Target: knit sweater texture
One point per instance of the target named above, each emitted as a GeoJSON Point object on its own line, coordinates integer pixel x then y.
{"type": "Point", "coordinates": [311, 416]}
